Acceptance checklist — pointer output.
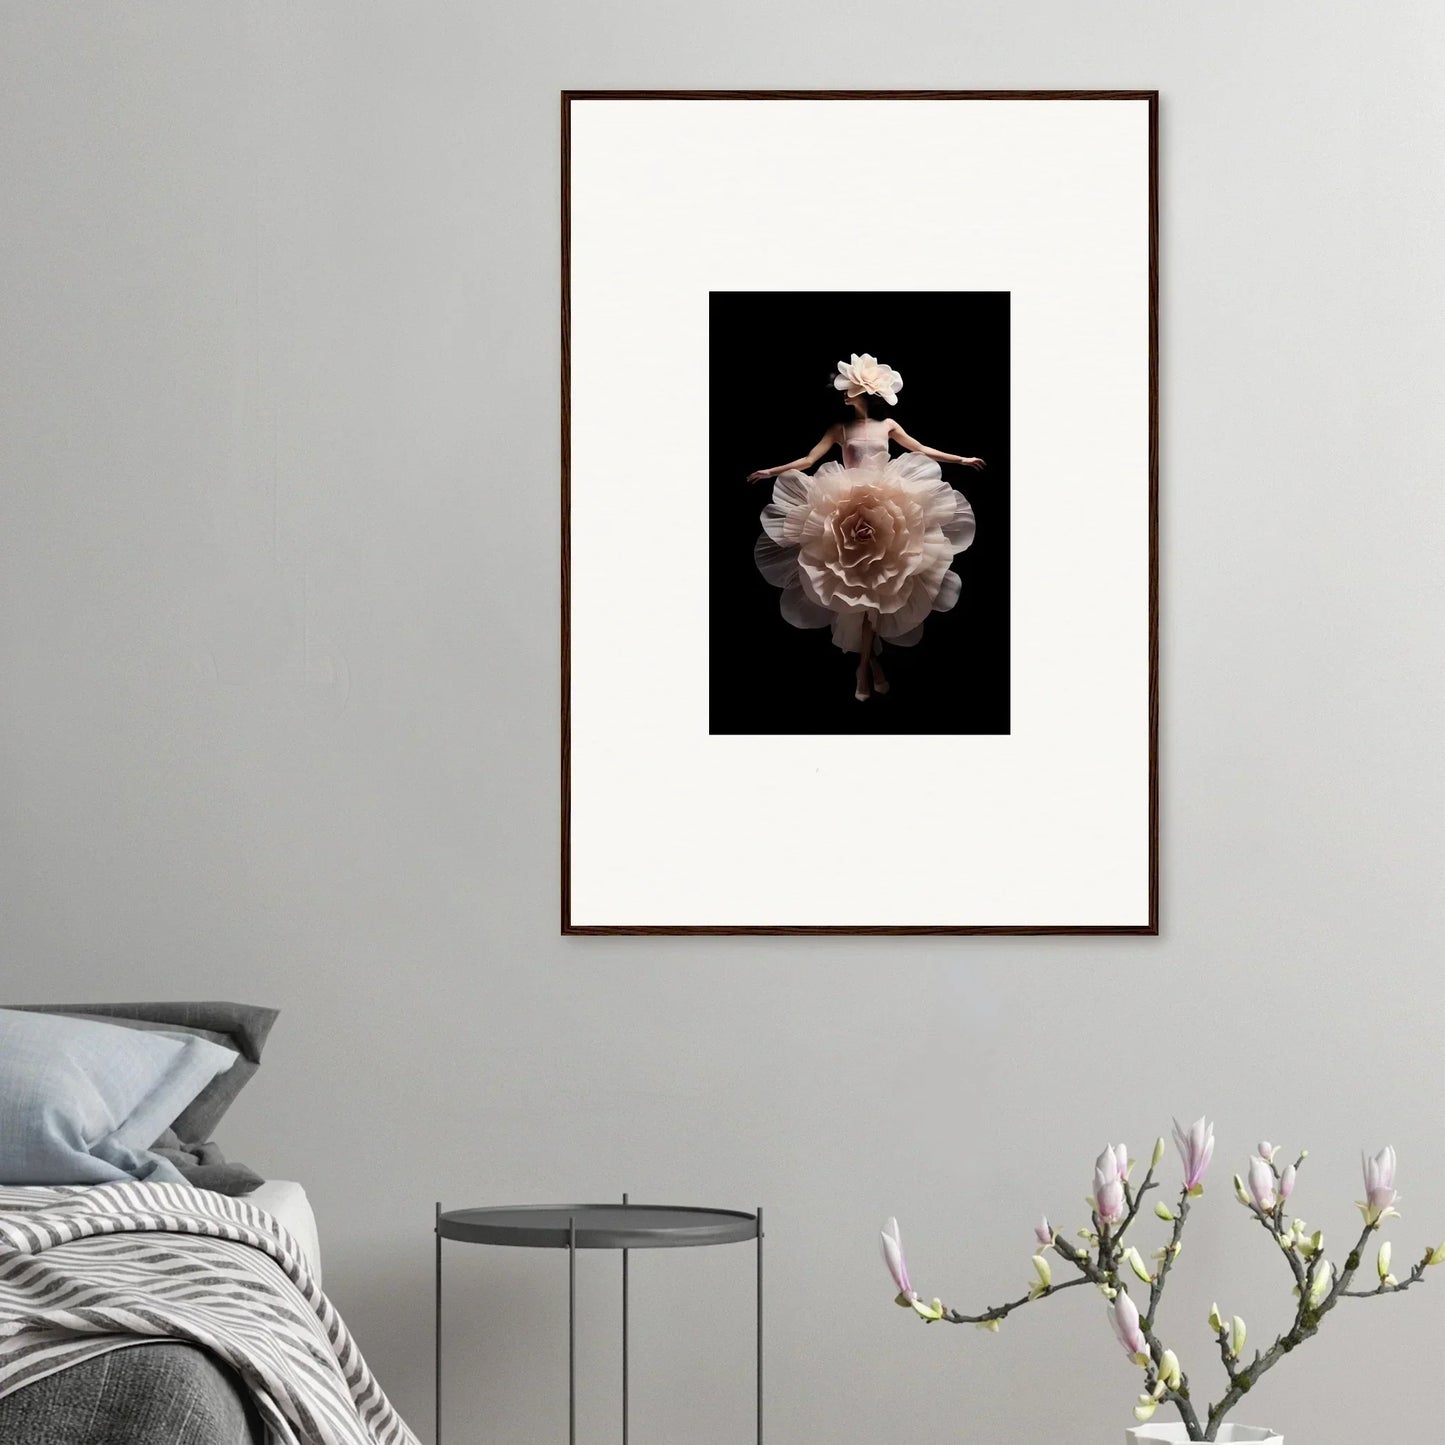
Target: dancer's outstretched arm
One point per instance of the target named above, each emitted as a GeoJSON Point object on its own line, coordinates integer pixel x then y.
{"type": "Point", "coordinates": [897, 434]}
{"type": "Point", "coordinates": [831, 437]}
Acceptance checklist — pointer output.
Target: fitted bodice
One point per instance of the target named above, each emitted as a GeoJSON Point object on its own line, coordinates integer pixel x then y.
{"type": "Point", "coordinates": [865, 442]}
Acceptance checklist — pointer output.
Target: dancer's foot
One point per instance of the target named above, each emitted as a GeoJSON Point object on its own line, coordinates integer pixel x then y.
{"type": "Point", "coordinates": [860, 683]}
{"type": "Point", "coordinates": [880, 683]}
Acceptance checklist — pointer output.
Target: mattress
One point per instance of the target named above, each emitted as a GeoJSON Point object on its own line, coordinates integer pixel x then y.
{"type": "Point", "coordinates": [286, 1201]}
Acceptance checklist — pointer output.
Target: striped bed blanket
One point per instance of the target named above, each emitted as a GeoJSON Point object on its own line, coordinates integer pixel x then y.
{"type": "Point", "coordinates": [87, 1270]}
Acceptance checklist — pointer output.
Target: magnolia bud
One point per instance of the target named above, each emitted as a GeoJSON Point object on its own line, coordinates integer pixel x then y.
{"type": "Point", "coordinates": [1216, 1323]}
{"type": "Point", "coordinates": [1164, 1212]}
{"type": "Point", "coordinates": [1145, 1409]}
{"type": "Point", "coordinates": [1132, 1259]}
{"type": "Point", "coordinates": [1158, 1152]}
{"type": "Point", "coordinates": [1238, 1335]}
{"type": "Point", "coordinates": [1436, 1255]}
{"type": "Point", "coordinates": [1042, 1270]}
{"type": "Point", "coordinates": [1382, 1261]}
{"type": "Point", "coordinates": [1239, 1190]}
{"type": "Point", "coordinates": [1169, 1370]}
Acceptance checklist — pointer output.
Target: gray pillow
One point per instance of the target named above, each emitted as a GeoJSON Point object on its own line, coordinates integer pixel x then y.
{"type": "Point", "coordinates": [206, 1167]}
{"type": "Point", "coordinates": [237, 1026]}
{"type": "Point", "coordinates": [81, 1101]}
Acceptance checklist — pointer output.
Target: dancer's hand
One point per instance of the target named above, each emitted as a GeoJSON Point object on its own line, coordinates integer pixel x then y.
{"type": "Point", "coordinates": [977, 463]}
{"type": "Point", "coordinates": [759, 476]}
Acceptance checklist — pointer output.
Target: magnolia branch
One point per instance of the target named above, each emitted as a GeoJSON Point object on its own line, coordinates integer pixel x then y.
{"type": "Point", "coordinates": [1171, 1252]}
{"type": "Point", "coordinates": [1107, 1277]}
{"type": "Point", "coordinates": [1307, 1321]}
{"type": "Point", "coordinates": [1108, 1264]}
{"type": "Point", "coordinates": [1414, 1277]}
{"type": "Point", "coordinates": [998, 1312]}
{"type": "Point", "coordinates": [1134, 1201]}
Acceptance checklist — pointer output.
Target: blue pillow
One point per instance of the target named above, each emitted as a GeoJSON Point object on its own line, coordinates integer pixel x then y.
{"type": "Point", "coordinates": [81, 1102]}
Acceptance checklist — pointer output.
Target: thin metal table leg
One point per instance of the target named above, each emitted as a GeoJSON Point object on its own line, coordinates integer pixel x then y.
{"type": "Point", "coordinates": [437, 1327]}
{"type": "Point", "coordinates": [760, 1325]}
{"type": "Point", "coordinates": [624, 1340]}
{"type": "Point", "coordinates": [572, 1331]}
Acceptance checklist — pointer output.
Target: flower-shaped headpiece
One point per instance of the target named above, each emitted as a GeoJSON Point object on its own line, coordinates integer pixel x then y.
{"type": "Point", "coordinates": [867, 374]}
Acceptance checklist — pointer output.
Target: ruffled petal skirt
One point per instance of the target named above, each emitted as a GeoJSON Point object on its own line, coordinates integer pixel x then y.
{"type": "Point", "coordinates": [873, 543]}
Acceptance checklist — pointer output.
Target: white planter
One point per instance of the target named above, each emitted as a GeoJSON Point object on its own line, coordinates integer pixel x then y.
{"type": "Point", "coordinates": [1178, 1435]}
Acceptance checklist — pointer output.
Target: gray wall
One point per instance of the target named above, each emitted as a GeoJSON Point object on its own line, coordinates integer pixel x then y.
{"type": "Point", "coordinates": [278, 640]}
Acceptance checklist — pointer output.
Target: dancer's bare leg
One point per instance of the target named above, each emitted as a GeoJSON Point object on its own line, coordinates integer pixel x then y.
{"type": "Point", "coordinates": [880, 683]}
{"type": "Point", "coordinates": [860, 684]}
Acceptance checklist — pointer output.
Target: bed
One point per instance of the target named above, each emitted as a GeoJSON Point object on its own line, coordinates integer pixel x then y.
{"type": "Point", "coordinates": [153, 1292]}
{"type": "Point", "coordinates": [287, 1201]}
{"type": "Point", "coordinates": [159, 1392]}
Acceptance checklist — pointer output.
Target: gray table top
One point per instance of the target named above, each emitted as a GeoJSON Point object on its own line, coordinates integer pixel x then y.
{"type": "Point", "coordinates": [598, 1226]}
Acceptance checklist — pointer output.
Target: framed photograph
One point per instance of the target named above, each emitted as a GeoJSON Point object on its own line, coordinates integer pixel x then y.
{"type": "Point", "coordinates": [859, 512]}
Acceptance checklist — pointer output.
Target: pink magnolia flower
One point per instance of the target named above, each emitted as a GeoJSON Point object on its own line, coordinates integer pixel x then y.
{"type": "Point", "coordinates": [1286, 1182]}
{"type": "Point", "coordinates": [1380, 1195]}
{"type": "Point", "coordinates": [1124, 1317]}
{"type": "Point", "coordinates": [1110, 1170]}
{"type": "Point", "coordinates": [1261, 1184]}
{"type": "Point", "coordinates": [1266, 1150]}
{"type": "Point", "coordinates": [1043, 1231]}
{"type": "Point", "coordinates": [893, 1258]}
{"type": "Point", "coordinates": [1196, 1149]}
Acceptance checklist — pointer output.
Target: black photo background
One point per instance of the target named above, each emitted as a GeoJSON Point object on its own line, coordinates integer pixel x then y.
{"type": "Point", "coordinates": [772, 358]}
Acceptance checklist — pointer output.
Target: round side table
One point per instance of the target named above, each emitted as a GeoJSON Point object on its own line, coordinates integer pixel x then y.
{"type": "Point", "coordinates": [624, 1227]}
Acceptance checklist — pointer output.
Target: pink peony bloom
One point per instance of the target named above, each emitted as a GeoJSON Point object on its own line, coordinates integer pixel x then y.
{"type": "Point", "coordinates": [871, 543]}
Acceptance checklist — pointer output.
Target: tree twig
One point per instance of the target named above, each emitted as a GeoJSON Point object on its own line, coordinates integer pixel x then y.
{"type": "Point", "coordinates": [1156, 1289]}
{"type": "Point", "coordinates": [998, 1312]}
{"type": "Point", "coordinates": [1306, 1323]}
{"type": "Point", "coordinates": [1414, 1277]}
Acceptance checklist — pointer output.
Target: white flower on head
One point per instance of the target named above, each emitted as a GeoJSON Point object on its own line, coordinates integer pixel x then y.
{"type": "Point", "coordinates": [867, 374]}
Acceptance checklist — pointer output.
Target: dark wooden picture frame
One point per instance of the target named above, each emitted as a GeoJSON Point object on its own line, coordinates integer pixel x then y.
{"type": "Point", "coordinates": [1151, 927]}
